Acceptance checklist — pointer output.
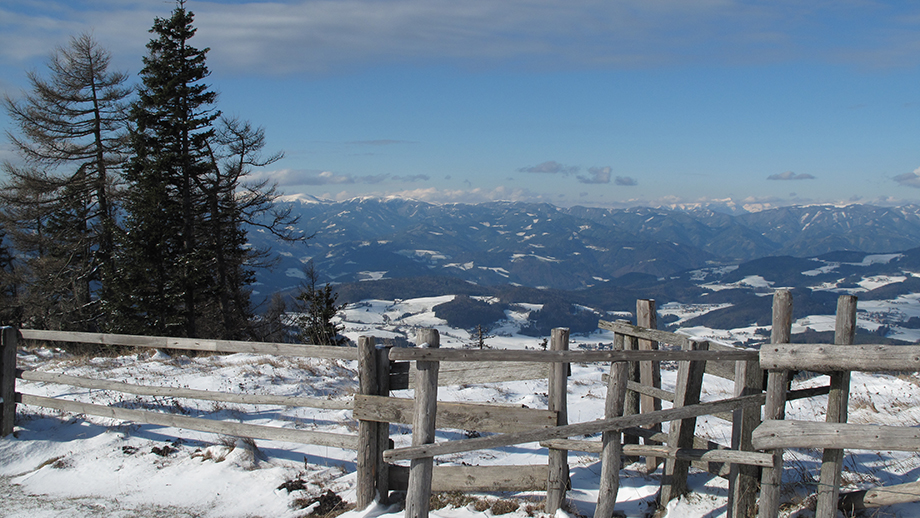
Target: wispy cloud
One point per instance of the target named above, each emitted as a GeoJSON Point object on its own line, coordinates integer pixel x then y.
{"type": "Point", "coordinates": [293, 177]}
{"type": "Point", "coordinates": [550, 167]}
{"type": "Point", "coordinates": [626, 181]}
{"type": "Point", "coordinates": [380, 142]}
{"type": "Point", "coordinates": [596, 175]}
{"type": "Point", "coordinates": [909, 179]}
{"type": "Point", "coordinates": [789, 175]}
{"type": "Point", "coordinates": [412, 178]}
{"type": "Point", "coordinates": [321, 36]}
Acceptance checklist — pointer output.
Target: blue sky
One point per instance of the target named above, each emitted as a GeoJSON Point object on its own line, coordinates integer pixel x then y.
{"type": "Point", "coordinates": [606, 103]}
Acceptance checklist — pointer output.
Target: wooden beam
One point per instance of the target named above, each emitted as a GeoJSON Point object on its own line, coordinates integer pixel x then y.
{"type": "Point", "coordinates": [807, 434]}
{"type": "Point", "coordinates": [194, 344]}
{"type": "Point", "coordinates": [206, 395]}
{"type": "Point", "coordinates": [612, 441]}
{"type": "Point", "coordinates": [588, 428]}
{"type": "Point", "coordinates": [418, 494]}
{"type": "Point", "coordinates": [476, 478]}
{"type": "Point", "coordinates": [9, 339]}
{"type": "Point", "coordinates": [680, 433]}
{"type": "Point", "coordinates": [461, 416]}
{"type": "Point", "coordinates": [880, 496]}
{"type": "Point", "coordinates": [522, 355]}
{"type": "Point", "coordinates": [333, 440]}
{"type": "Point", "coordinates": [749, 458]}
{"type": "Point", "coordinates": [474, 372]}
{"type": "Point", "coordinates": [367, 467]}
{"type": "Point", "coordinates": [830, 358]}
{"type": "Point", "coordinates": [771, 478]}
{"type": "Point", "coordinates": [557, 475]}
{"type": "Point", "coordinates": [627, 329]}
{"type": "Point", "coordinates": [837, 400]}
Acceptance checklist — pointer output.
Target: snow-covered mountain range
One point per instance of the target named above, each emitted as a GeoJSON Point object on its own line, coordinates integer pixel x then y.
{"type": "Point", "coordinates": [540, 245]}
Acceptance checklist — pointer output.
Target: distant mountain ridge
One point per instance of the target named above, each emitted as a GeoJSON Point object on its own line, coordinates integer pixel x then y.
{"type": "Point", "coordinates": [577, 248]}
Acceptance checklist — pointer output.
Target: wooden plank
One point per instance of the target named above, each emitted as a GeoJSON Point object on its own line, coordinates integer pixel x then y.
{"type": "Point", "coordinates": [9, 339]}
{"type": "Point", "coordinates": [462, 416]}
{"type": "Point", "coordinates": [750, 458]}
{"type": "Point", "coordinates": [880, 497]}
{"type": "Point", "coordinates": [207, 395]}
{"type": "Point", "coordinates": [383, 430]}
{"type": "Point", "coordinates": [649, 391]}
{"type": "Point", "coordinates": [612, 441]}
{"type": "Point", "coordinates": [625, 328]}
{"type": "Point", "coordinates": [649, 371]}
{"type": "Point", "coordinates": [587, 428]}
{"type": "Point", "coordinates": [680, 433]}
{"type": "Point", "coordinates": [333, 440]}
{"type": "Point", "coordinates": [366, 464]}
{"type": "Point", "coordinates": [837, 399]}
{"type": "Point", "coordinates": [771, 478]}
{"type": "Point", "coordinates": [418, 494]}
{"type": "Point", "coordinates": [477, 478]}
{"type": "Point", "coordinates": [194, 344]}
{"type": "Point", "coordinates": [742, 479]}
{"type": "Point", "coordinates": [830, 358]}
{"type": "Point", "coordinates": [558, 469]}
{"type": "Point", "coordinates": [631, 343]}
{"type": "Point", "coordinates": [580, 356]}
{"type": "Point", "coordinates": [806, 434]}
{"type": "Point", "coordinates": [474, 372]}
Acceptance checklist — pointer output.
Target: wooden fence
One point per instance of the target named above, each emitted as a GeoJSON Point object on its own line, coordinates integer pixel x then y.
{"type": "Point", "coordinates": [9, 373]}
{"type": "Point", "coordinates": [835, 435]}
{"type": "Point", "coordinates": [633, 409]}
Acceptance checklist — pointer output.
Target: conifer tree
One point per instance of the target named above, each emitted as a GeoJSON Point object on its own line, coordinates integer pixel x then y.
{"type": "Point", "coordinates": [9, 307]}
{"type": "Point", "coordinates": [185, 263]}
{"type": "Point", "coordinates": [163, 271]}
{"type": "Point", "coordinates": [59, 201]}
{"type": "Point", "coordinates": [317, 307]}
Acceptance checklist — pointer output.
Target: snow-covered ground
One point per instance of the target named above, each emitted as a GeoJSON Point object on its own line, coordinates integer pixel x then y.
{"type": "Point", "coordinates": [61, 464]}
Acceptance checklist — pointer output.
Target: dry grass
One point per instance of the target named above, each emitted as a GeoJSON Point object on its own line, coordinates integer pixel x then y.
{"type": "Point", "coordinates": [496, 506]}
{"type": "Point", "coordinates": [326, 505]}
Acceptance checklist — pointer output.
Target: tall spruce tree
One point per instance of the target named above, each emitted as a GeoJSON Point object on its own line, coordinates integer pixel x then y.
{"type": "Point", "coordinates": [185, 265]}
{"type": "Point", "coordinates": [164, 273]}
{"type": "Point", "coordinates": [59, 201]}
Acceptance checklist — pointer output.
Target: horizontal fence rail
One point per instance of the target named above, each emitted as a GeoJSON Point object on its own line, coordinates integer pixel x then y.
{"type": "Point", "coordinates": [830, 358]}
{"type": "Point", "coordinates": [326, 352]}
{"type": "Point", "coordinates": [205, 395]}
{"type": "Point", "coordinates": [274, 433]}
{"type": "Point", "coordinates": [493, 355]}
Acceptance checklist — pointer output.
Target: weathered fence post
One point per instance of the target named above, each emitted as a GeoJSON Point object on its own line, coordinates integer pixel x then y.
{"type": "Point", "coordinates": [837, 398]}
{"type": "Point", "coordinates": [558, 475]}
{"type": "Point", "coordinates": [418, 495]}
{"type": "Point", "coordinates": [368, 443]}
{"type": "Point", "coordinates": [611, 441]}
{"type": "Point", "coordinates": [680, 434]}
{"type": "Point", "coordinates": [649, 372]}
{"type": "Point", "coordinates": [383, 429]}
{"type": "Point", "coordinates": [631, 343]}
{"type": "Point", "coordinates": [10, 341]}
{"type": "Point", "coordinates": [775, 405]}
{"type": "Point", "coordinates": [742, 478]}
